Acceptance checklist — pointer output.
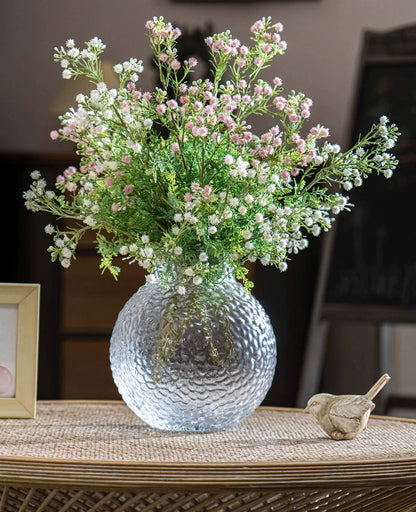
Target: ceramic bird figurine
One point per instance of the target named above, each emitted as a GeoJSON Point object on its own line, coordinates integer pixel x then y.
{"type": "Point", "coordinates": [344, 416]}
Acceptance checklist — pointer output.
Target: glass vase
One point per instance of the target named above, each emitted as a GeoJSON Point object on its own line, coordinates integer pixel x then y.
{"type": "Point", "coordinates": [201, 361]}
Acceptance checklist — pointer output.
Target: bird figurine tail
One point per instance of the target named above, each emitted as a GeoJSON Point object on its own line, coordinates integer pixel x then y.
{"type": "Point", "coordinates": [378, 386]}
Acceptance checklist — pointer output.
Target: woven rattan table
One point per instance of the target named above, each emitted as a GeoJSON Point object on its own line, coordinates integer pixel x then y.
{"type": "Point", "coordinates": [98, 456]}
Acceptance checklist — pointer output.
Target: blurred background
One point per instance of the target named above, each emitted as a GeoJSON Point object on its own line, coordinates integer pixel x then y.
{"type": "Point", "coordinates": [345, 309]}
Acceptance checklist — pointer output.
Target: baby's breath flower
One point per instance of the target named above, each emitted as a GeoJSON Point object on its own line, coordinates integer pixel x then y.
{"type": "Point", "coordinates": [65, 262]}
{"type": "Point", "coordinates": [66, 253]}
{"type": "Point", "coordinates": [150, 278]}
{"type": "Point", "coordinates": [90, 221]}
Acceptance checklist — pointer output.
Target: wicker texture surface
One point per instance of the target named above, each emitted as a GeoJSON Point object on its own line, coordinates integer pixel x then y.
{"type": "Point", "coordinates": [111, 432]}
{"type": "Point", "coordinates": [359, 500]}
{"type": "Point", "coordinates": [101, 457]}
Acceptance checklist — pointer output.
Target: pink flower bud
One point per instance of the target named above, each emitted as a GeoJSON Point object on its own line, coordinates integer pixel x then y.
{"type": "Point", "coordinates": [176, 32]}
{"type": "Point", "coordinates": [285, 175]}
{"type": "Point", "coordinates": [172, 104]}
{"type": "Point", "coordinates": [207, 191]}
{"type": "Point", "coordinates": [70, 171]}
{"type": "Point", "coordinates": [161, 109]}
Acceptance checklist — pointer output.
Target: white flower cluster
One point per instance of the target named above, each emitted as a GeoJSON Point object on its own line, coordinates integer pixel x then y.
{"type": "Point", "coordinates": [69, 56]}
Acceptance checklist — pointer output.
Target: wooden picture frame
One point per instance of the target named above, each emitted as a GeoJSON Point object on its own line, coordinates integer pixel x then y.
{"type": "Point", "coordinates": [19, 331]}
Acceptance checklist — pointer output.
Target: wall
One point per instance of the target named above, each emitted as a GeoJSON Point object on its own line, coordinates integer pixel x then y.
{"type": "Point", "coordinates": [324, 40]}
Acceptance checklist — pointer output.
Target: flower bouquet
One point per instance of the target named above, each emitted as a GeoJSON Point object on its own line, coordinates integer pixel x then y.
{"type": "Point", "coordinates": [176, 180]}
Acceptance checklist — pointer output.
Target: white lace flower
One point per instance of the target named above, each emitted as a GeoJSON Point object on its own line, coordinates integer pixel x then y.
{"type": "Point", "coordinates": [66, 263]}
{"type": "Point", "coordinates": [90, 221]}
{"type": "Point", "coordinates": [150, 278]}
{"type": "Point", "coordinates": [49, 229]}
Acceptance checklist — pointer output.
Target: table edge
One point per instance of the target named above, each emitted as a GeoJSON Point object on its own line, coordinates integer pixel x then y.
{"type": "Point", "coordinates": [132, 475]}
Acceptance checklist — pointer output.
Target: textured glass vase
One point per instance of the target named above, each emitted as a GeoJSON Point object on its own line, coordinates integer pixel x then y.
{"type": "Point", "coordinates": [200, 361]}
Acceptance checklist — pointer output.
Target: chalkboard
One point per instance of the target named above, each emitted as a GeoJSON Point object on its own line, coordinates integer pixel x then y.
{"type": "Point", "coordinates": [373, 260]}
